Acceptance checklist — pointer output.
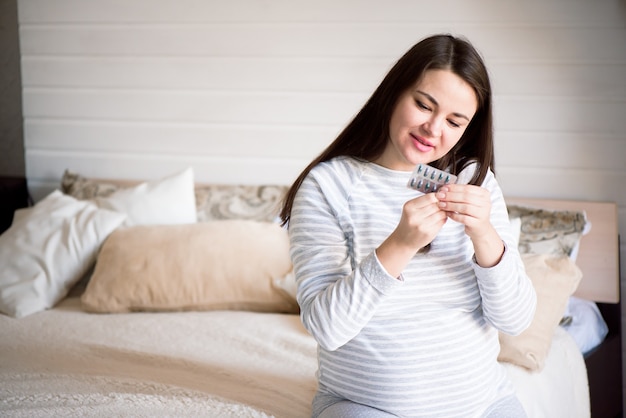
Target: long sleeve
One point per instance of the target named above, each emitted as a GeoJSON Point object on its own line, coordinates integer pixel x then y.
{"type": "Point", "coordinates": [336, 297]}
{"type": "Point", "coordinates": [508, 296]}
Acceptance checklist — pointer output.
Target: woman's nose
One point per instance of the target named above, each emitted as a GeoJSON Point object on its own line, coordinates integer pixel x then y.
{"type": "Point", "coordinates": [433, 126]}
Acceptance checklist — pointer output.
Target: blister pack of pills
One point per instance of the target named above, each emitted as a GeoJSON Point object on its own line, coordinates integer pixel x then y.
{"type": "Point", "coordinates": [427, 179]}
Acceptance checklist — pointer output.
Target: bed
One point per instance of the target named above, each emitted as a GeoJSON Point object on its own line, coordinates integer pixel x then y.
{"type": "Point", "coordinates": [169, 298]}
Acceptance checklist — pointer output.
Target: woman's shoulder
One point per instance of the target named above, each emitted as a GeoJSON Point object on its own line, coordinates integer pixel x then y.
{"type": "Point", "coordinates": [342, 161]}
{"type": "Point", "coordinates": [343, 169]}
{"type": "Point", "coordinates": [336, 179]}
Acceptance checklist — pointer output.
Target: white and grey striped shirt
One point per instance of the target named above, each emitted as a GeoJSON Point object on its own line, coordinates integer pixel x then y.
{"type": "Point", "coordinates": [422, 346]}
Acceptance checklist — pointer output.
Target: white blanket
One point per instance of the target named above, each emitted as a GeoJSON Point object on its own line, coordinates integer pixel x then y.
{"type": "Point", "coordinates": [65, 362]}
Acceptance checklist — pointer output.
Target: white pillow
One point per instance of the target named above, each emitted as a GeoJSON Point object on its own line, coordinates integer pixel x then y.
{"type": "Point", "coordinates": [587, 325]}
{"type": "Point", "coordinates": [166, 201]}
{"type": "Point", "coordinates": [47, 249]}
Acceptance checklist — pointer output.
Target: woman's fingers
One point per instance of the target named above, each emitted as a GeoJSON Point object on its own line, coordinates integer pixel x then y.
{"type": "Point", "coordinates": [421, 220]}
{"type": "Point", "coordinates": [467, 204]}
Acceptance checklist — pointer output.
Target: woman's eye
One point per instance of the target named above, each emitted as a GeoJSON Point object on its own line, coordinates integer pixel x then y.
{"type": "Point", "coordinates": [453, 123]}
{"type": "Point", "coordinates": [422, 105]}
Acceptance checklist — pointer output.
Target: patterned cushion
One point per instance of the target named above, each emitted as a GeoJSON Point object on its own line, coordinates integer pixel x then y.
{"type": "Point", "coordinates": [555, 232]}
{"type": "Point", "coordinates": [213, 202]}
{"type": "Point", "coordinates": [82, 188]}
{"type": "Point", "coordinates": [260, 203]}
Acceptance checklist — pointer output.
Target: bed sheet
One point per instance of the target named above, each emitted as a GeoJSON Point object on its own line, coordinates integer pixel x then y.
{"type": "Point", "coordinates": [66, 362]}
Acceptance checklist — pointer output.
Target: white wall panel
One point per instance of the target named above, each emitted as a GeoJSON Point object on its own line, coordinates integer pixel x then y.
{"type": "Point", "coordinates": [216, 73]}
{"type": "Point", "coordinates": [575, 80]}
{"type": "Point", "coordinates": [544, 43]}
{"type": "Point", "coordinates": [308, 108]}
{"type": "Point", "coordinates": [304, 74]}
{"type": "Point", "coordinates": [521, 149]}
{"type": "Point", "coordinates": [286, 108]}
{"type": "Point", "coordinates": [560, 183]}
{"type": "Point", "coordinates": [560, 114]}
{"type": "Point", "coordinates": [559, 150]}
{"type": "Point", "coordinates": [220, 169]}
{"type": "Point", "coordinates": [183, 139]}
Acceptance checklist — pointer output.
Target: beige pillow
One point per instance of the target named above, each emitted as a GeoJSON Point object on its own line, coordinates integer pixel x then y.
{"type": "Point", "coordinates": [229, 264]}
{"type": "Point", "coordinates": [555, 278]}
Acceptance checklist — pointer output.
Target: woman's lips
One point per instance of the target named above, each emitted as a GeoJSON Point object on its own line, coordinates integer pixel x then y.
{"type": "Point", "coordinates": [422, 144]}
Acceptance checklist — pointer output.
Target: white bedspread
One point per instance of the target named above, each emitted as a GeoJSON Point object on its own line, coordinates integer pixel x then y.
{"type": "Point", "coordinates": [65, 362]}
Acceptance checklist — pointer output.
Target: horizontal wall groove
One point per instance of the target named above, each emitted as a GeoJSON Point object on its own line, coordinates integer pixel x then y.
{"type": "Point", "coordinates": [561, 98]}
{"type": "Point", "coordinates": [299, 57]}
{"type": "Point", "coordinates": [326, 22]}
{"type": "Point", "coordinates": [172, 124]}
{"type": "Point", "coordinates": [291, 92]}
{"type": "Point", "coordinates": [192, 91]}
{"type": "Point", "coordinates": [379, 59]}
{"type": "Point", "coordinates": [131, 59]}
{"type": "Point", "coordinates": [143, 155]}
{"type": "Point", "coordinates": [182, 123]}
{"type": "Point", "coordinates": [385, 59]}
{"type": "Point", "coordinates": [579, 172]}
{"type": "Point", "coordinates": [523, 133]}
{"type": "Point", "coordinates": [382, 58]}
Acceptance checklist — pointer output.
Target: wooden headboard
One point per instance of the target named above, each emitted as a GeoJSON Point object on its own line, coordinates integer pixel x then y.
{"type": "Point", "coordinates": [598, 255]}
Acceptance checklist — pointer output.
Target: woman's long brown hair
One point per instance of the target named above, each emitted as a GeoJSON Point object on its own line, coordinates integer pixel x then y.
{"type": "Point", "coordinates": [366, 136]}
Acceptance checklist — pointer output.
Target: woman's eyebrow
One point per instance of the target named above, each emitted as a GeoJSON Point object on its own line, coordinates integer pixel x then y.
{"type": "Point", "coordinates": [432, 99]}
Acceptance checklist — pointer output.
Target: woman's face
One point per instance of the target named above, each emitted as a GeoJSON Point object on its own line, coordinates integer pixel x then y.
{"type": "Point", "coordinates": [428, 120]}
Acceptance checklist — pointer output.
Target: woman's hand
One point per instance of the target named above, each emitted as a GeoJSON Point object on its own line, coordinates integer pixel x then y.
{"type": "Point", "coordinates": [421, 221]}
{"type": "Point", "coordinates": [471, 206]}
{"type": "Point", "coordinates": [467, 204]}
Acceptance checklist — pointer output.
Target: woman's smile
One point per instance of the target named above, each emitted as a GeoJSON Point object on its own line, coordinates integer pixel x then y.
{"type": "Point", "coordinates": [422, 144]}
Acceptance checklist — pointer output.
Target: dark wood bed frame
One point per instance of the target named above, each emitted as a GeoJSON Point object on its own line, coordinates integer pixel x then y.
{"type": "Point", "coordinates": [604, 367]}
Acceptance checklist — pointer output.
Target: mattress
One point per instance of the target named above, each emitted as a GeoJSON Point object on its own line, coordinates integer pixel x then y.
{"type": "Point", "coordinates": [67, 362]}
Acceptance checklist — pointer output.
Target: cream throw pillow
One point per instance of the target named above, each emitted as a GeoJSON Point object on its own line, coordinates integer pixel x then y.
{"type": "Point", "coordinates": [555, 279]}
{"type": "Point", "coordinates": [229, 264]}
{"type": "Point", "coordinates": [47, 249]}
